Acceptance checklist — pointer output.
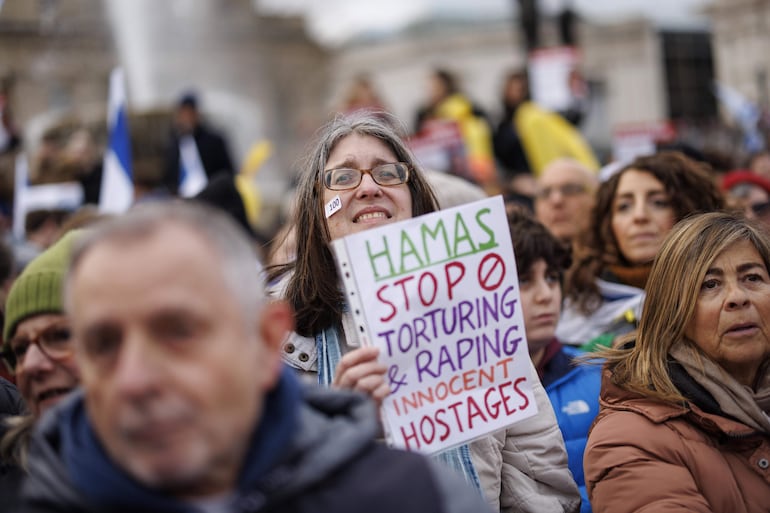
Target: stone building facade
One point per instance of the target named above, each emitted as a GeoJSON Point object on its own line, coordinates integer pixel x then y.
{"type": "Point", "coordinates": [261, 77]}
{"type": "Point", "coordinates": [257, 77]}
{"type": "Point", "coordinates": [741, 40]}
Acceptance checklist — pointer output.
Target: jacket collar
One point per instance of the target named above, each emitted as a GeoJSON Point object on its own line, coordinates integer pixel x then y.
{"type": "Point", "coordinates": [333, 428]}
{"type": "Point", "coordinates": [98, 478]}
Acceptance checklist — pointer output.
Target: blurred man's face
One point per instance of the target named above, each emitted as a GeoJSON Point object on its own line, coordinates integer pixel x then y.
{"type": "Point", "coordinates": [186, 119]}
{"type": "Point", "coordinates": [515, 91]}
{"type": "Point", "coordinates": [437, 89]}
{"type": "Point", "coordinates": [174, 372]}
{"type": "Point", "coordinates": [564, 199]}
{"type": "Point", "coordinates": [753, 200]}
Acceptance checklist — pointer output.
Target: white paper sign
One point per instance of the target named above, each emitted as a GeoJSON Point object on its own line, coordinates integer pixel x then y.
{"type": "Point", "coordinates": [439, 296]}
{"type": "Point", "coordinates": [549, 72]}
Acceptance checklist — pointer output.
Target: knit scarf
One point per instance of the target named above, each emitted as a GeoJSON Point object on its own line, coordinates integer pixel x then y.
{"type": "Point", "coordinates": [329, 353]}
{"type": "Point", "coordinates": [635, 276]}
{"type": "Point", "coordinates": [736, 400]}
{"type": "Point", "coordinates": [108, 486]}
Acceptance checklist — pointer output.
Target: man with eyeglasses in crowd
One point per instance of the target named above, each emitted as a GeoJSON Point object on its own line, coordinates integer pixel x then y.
{"type": "Point", "coordinates": [564, 198]}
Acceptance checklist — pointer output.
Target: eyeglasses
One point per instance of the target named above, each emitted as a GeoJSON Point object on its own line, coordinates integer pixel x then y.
{"type": "Point", "coordinates": [760, 209]}
{"type": "Point", "coordinates": [566, 190]}
{"type": "Point", "coordinates": [53, 341]}
{"type": "Point", "coordinates": [387, 175]}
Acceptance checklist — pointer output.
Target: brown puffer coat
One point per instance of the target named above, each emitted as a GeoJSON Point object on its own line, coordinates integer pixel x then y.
{"type": "Point", "coordinates": [644, 455]}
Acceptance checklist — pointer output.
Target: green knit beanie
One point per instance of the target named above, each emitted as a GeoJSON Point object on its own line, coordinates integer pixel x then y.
{"type": "Point", "coordinates": [39, 288]}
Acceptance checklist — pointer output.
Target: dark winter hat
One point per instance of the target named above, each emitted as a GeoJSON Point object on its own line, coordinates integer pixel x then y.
{"type": "Point", "coordinates": [39, 288]}
{"type": "Point", "coordinates": [188, 99]}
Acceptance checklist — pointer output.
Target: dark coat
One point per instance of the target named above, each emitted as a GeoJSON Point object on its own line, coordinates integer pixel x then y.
{"type": "Point", "coordinates": [11, 404]}
{"type": "Point", "coordinates": [332, 464]}
{"type": "Point", "coordinates": [213, 152]}
{"type": "Point", "coordinates": [508, 148]}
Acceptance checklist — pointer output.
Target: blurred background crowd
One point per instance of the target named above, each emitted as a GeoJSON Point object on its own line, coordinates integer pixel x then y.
{"type": "Point", "coordinates": [478, 87]}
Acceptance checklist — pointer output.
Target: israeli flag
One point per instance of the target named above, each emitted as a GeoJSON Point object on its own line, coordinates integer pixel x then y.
{"type": "Point", "coordinates": [192, 175]}
{"type": "Point", "coordinates": [117, 191]}
{"type": "Point", "coordinates": [20, 183]}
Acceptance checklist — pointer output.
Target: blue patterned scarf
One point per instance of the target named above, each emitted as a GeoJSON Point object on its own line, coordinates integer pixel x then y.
{"type": "Point", "coordinates": [329, 355]}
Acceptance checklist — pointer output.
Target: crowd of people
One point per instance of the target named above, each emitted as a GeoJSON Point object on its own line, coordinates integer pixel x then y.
{"type": "Point", "coordinates": [157, 361]}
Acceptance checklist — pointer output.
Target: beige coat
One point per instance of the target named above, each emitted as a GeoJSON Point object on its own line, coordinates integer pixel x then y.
{"type": "Point", "coordinates": [524, 468]}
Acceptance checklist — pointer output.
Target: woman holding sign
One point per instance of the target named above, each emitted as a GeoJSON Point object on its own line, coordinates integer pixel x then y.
{"type": "Point", "coordinates": [360, 175]}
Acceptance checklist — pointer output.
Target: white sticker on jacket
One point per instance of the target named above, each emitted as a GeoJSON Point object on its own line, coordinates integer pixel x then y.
{"type": "Point", "coordinates": [333, 206]}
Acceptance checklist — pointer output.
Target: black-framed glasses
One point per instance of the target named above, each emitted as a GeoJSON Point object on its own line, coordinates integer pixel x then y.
{"type": "Point", "coordinates": [566, 190]}
{"type": "Point", "coordinates": [53, 341]}
{"type": "Point", "coordinates": [760, 209]}
{"type": "Point", "coordinates": [387, 175]}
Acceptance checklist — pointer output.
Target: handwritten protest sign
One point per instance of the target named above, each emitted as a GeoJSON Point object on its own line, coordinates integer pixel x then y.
{"type": "Point", "coordinates": [438, 294]}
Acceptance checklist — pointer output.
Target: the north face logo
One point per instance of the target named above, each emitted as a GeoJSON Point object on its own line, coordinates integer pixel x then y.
{"type": "Point", "coordinates": [576, 407]}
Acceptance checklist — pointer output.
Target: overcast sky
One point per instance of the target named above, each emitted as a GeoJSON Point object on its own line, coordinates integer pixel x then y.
{"type": "Point", "coordinates": [334, 21]}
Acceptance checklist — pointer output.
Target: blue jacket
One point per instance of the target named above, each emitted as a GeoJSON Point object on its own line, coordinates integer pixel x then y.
{"type": "Point", "coordinates": [574, 394]}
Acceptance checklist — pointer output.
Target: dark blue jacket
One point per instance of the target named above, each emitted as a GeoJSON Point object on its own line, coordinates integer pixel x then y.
{"type": "Point", "coordinates": [11, 403]}
{"type": "Point", "coordinates": [329, 462]}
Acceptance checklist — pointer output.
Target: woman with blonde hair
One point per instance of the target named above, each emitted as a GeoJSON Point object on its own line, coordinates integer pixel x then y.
{"type": "Point", "coordinates": [684, 421]}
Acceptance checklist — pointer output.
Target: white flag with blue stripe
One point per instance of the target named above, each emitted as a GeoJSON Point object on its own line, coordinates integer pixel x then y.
{"type": "Point", "coordinates": [192, 175]}
{"type": "Point", "coordinates": [117, 190]}
{"type": "Point", "coordinates": [21, 182]}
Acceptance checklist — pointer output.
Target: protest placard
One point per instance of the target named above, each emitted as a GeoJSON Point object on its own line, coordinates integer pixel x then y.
{"type": "Point", "coordinates": [438, 294]}
{"type": "Point", "coordinates": [439, 146]}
